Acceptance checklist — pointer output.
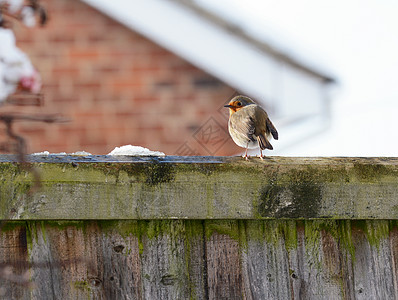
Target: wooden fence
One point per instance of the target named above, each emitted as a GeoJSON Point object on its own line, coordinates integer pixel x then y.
{"type": "Point", "coordinates": [101, 227]}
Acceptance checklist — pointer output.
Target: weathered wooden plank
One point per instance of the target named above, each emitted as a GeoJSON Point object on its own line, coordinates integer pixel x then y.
{"type": "Point", "coordinates": [98, 188]}
{"type": "Point", "coordinates": [79, 262]}
{"type": "Point", "coordinates": [224, 273]}
{"type": "Point", "coordinates": [290, 261]}
{"type": "Point", "coordinates": [266, 259]}
{"type": "Point", "coordinates": [46, 272]}
{"type": "Point", "coordinates": [119, 256]}
{"type": "Point", "coordinates": [14, 268]}
{"type": "Point", "coordinates": [394, 255]}
{"type": "Point", "coordinates": [310, 273]}
{"type": "Point", "coordinates": [196, 259]}
{"type": "Point", "coordinates": [373, 273]}
{"type": "Point", "coordinates": [164, 261]}
{"type": "Point", "coordinates": [344, 258]}
{"type": "Point", "coordinates": [195, 247]}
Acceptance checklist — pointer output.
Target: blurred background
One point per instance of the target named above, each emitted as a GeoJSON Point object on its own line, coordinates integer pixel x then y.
{"type": "Point", "coordinates": [157, 73]}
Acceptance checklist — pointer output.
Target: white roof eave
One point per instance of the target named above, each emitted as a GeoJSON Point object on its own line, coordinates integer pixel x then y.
{"type": "Point", "coordinates": [200, 42]}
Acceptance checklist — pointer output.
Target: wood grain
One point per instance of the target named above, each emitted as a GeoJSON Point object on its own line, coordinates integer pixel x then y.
{"type": "Point", "coordinates": [196, 259]}
{"type": "Point", "coordinates": [224, 275]}
{"type": "Point", "coordinates": [205, 188]}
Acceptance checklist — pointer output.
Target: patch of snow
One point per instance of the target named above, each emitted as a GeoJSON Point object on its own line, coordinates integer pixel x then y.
{"type": "Point", "coordinates": [48, 153]}
{"type": "Point", "coordinates": [135, 151]}
{"type": "Point", "coordinates": [80, 153]}
{"type": "Point", "coordinates": [41, 153]}
{"type": "Point", "coordinates": [77, 153]}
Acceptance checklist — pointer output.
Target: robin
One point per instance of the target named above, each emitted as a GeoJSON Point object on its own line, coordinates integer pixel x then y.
{"type": "Point", "coordinates": [249, 125]}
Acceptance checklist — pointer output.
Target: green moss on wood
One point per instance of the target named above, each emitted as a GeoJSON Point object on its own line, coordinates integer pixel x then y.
{"type": "Point", "coordinates": [190, 232]}
{"type": "Point", "coordinates": [64, 224]}
{"type": "Point", "coordinates": [193, 235]}
{"type": "Point", "coordinates": [152, 173]}
{"type": "Point", "coordinates": [376, 231]}
{"type": "Point", "coordinates": [340, 230]}
{"type": "Point", "coordinates": [275, 232]}
{"type": "Point", "coordinates": [343, 233]}
{"type": "Point", "coordinates": [7, 226]}
{"type": "Point", "coordinates": [125, 228]}
{"type": "Point", "coordinates": [372, 172]}
{"type": "Point", "coordinates": [224, 227]}
{"type": "Point", "coordinates": [82, 285]}
{"type": "Point", "coordinates": [157, 173]}
{"type": "Point", "coordinates": [287, 190]}
{"type": "Point", "coordinates": [289, 229]}
{"type": "Point", "coordinates": [295, 193]}
{"type": "Point", "coordinates": [393, 225]}
{"type": "Point", "coordinates": [31, 235]}
{"type": "Point", "coordinates": [15, 183]}
{"type": "Point", "coordinates": [312, 236]}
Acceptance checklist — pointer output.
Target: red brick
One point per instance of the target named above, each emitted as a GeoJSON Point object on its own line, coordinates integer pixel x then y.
{"type": "Point", "coordinates": [116, 86]}
{"type": "Point", "coordinates": [70, 71]}
{"type": "Point", "coordinates": [76, 53]}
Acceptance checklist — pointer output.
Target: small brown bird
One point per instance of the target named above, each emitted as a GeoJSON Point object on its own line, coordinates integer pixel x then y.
{"type": "Point", "coordinates": [249, 125]}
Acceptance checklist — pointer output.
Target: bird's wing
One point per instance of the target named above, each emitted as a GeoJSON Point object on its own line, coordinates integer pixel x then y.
{"type": "Point", "coordinates": [263, 142]}
{"type": "Point", "coordinates": [272, 129]}
{"type": "Point", "coordinates": [243, 124]}
{"type": "Point", "coordinates": [264, 127]}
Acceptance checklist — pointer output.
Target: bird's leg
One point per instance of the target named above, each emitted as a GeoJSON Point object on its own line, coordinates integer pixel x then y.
{"type": "Point", "coordinates": [261, 154]}
{"type": "Point", "coordinates": [245, 156]}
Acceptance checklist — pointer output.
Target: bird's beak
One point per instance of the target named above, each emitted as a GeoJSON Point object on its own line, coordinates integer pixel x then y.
{"type": "Point", "coordinates": [229, 106]}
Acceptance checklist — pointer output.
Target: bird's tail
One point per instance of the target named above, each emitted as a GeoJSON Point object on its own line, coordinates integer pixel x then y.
{"type": "Point", "coordinates": [264, 143]}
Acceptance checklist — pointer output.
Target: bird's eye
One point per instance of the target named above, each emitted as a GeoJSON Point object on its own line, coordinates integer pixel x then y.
{"type": "Point", "coordinates": [239, 104]}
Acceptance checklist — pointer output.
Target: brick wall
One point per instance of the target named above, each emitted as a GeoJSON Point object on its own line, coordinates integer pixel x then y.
{"type": "Point", "coordinates": [117, 88]}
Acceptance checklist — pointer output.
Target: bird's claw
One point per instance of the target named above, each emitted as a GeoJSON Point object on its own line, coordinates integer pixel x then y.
{"type": "Point", "coordinates": [245, 157]}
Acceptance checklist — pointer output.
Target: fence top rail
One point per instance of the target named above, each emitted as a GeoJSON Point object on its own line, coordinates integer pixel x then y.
{"type": "Point", "coordinates": [95, 187]}
{"type": "Point", "coordinates": [65, 158]}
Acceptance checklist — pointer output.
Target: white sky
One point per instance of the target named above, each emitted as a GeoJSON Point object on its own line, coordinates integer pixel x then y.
{"type": "Point", "coordinates": [358, 41]}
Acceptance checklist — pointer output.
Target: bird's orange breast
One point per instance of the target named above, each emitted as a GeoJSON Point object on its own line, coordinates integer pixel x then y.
{"type": "Point", "coordinates": [233, 110]}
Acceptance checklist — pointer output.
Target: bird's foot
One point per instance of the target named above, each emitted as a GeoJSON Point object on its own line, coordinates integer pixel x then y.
{"type": "Point", "coordinates": [261, 154]}
{"type": "Point", "coordinates": [261, 157]}
{"type": "Point", "coordinates": [245, 157]}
